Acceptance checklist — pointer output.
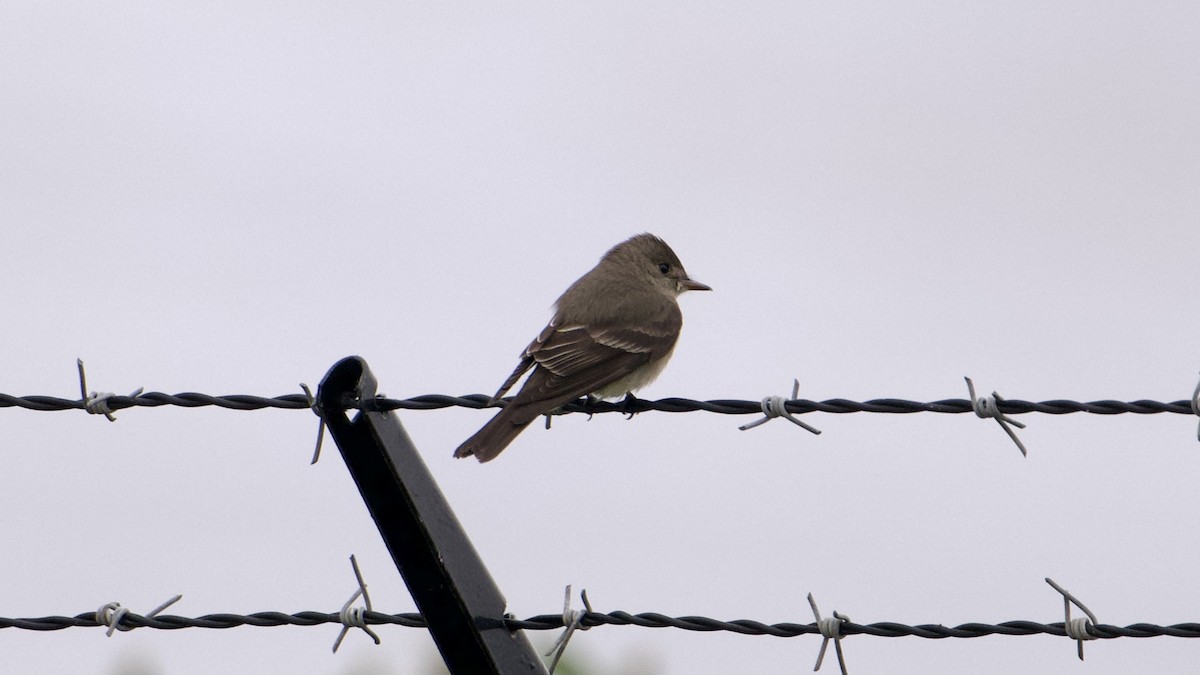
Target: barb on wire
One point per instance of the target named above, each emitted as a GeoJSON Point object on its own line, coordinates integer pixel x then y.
{"type": "Point", "coordinates": [96, 403]}
{"type": "Point", "coordinates": [831, 629]}
{"type": "Point", "coordinates": [776, 406]}
{"type": "Point", "coordinates": [572, 621]}
{"type": "Point", "coordinates": [989, 406]}
{"type": "Point", "coordinates": [549, 415]}
{"type": "Point", "coordinates": [355, 617]}
{"type": "Point", "coordinates": [112, 614]}
{"type": "Point", "coordinates": [1196, 406]}
{"type": "Point", "coordinates": [1077, 628]}
{"type": "Point", "coordinates": [312, 404]}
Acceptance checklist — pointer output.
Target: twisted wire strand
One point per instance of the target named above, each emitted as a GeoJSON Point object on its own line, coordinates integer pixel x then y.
{"type": "Point", "coordinates": [618, 618]}
{"type": "Point", "coordinates": [675, 405]}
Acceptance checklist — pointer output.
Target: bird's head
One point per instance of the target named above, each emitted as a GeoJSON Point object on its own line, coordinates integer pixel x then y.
{"type": "Point", "coordinates": [653, 258]}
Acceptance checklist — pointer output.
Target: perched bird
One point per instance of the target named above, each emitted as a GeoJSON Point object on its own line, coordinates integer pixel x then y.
{"type": "Point", "coordinates": [612, 333]}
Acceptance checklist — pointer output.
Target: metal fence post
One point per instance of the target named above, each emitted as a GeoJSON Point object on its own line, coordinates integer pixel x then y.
{"type": "Point", "coordinates": [447, 579]}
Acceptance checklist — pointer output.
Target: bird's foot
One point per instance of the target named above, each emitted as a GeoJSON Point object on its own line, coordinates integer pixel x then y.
{"type": "Point", "coordinates": [628, 403]}
{"type": "Point", "coordinates": [591, 400]}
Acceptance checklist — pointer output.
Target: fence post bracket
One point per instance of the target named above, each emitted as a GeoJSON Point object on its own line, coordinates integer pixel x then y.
{"type": "Point", "coordinates": [448, 581]}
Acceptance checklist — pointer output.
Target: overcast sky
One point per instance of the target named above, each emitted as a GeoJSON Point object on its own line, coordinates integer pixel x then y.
{"type": "Point", "coordinates": [229, 197]}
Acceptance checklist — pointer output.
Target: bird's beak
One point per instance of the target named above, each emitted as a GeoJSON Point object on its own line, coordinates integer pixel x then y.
{"type": "Point", "coordinates": [693, 285]}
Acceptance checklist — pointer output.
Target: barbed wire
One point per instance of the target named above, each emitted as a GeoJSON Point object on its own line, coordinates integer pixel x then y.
{"type": "Point", "coordinates": [115, 617]}
{"type": "Point", "coordinates": [835, 628]}
{"type": "Point", "coordinates": [299, 401]}
{"type": "Point", "coordinates": [615, 618]}
{"type": "Point", "coordinates": [156, 399]}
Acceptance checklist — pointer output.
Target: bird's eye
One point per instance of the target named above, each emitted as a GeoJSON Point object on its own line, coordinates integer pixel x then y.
{"type": "Point", "coordinates": [665, 268]}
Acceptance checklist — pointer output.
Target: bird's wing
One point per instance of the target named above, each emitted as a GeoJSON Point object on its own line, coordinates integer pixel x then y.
{"type": "Point", "coordinates": [525, 364]}
{"type": "Point", "coordinates": [575, 360]}
{"type": "Point", "coordinates": [570, 350]}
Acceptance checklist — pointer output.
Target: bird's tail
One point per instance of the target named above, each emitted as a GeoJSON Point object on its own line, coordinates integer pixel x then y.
{"type": "Point", "coordinates": [494, 437]}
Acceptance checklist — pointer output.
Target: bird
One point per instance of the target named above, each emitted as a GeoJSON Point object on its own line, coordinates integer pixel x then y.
{"type": "Point", "coordinates": [612, 333]}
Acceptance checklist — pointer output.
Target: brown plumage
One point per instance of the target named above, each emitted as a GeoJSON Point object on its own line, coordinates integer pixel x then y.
{"type": "Point", "coordinates": [612, 333]}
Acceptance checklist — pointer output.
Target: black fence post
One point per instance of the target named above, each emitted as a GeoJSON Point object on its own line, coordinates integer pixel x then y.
{"type": "Point", "coordinates": [447, 579]}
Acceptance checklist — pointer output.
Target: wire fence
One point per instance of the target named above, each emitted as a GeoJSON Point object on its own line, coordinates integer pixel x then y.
{"type": "Point", "coordinates": [615, 618]}
{"type": "Point", "coordinates": [114, 617]}
{"type": "Point", "coordinates": [299, 401]}
{"type": "Point", "coordinates": [770, 407]}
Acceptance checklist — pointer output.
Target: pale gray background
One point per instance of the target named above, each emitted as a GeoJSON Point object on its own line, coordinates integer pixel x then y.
{"type": "Point", "coordinates": [228, 197]}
